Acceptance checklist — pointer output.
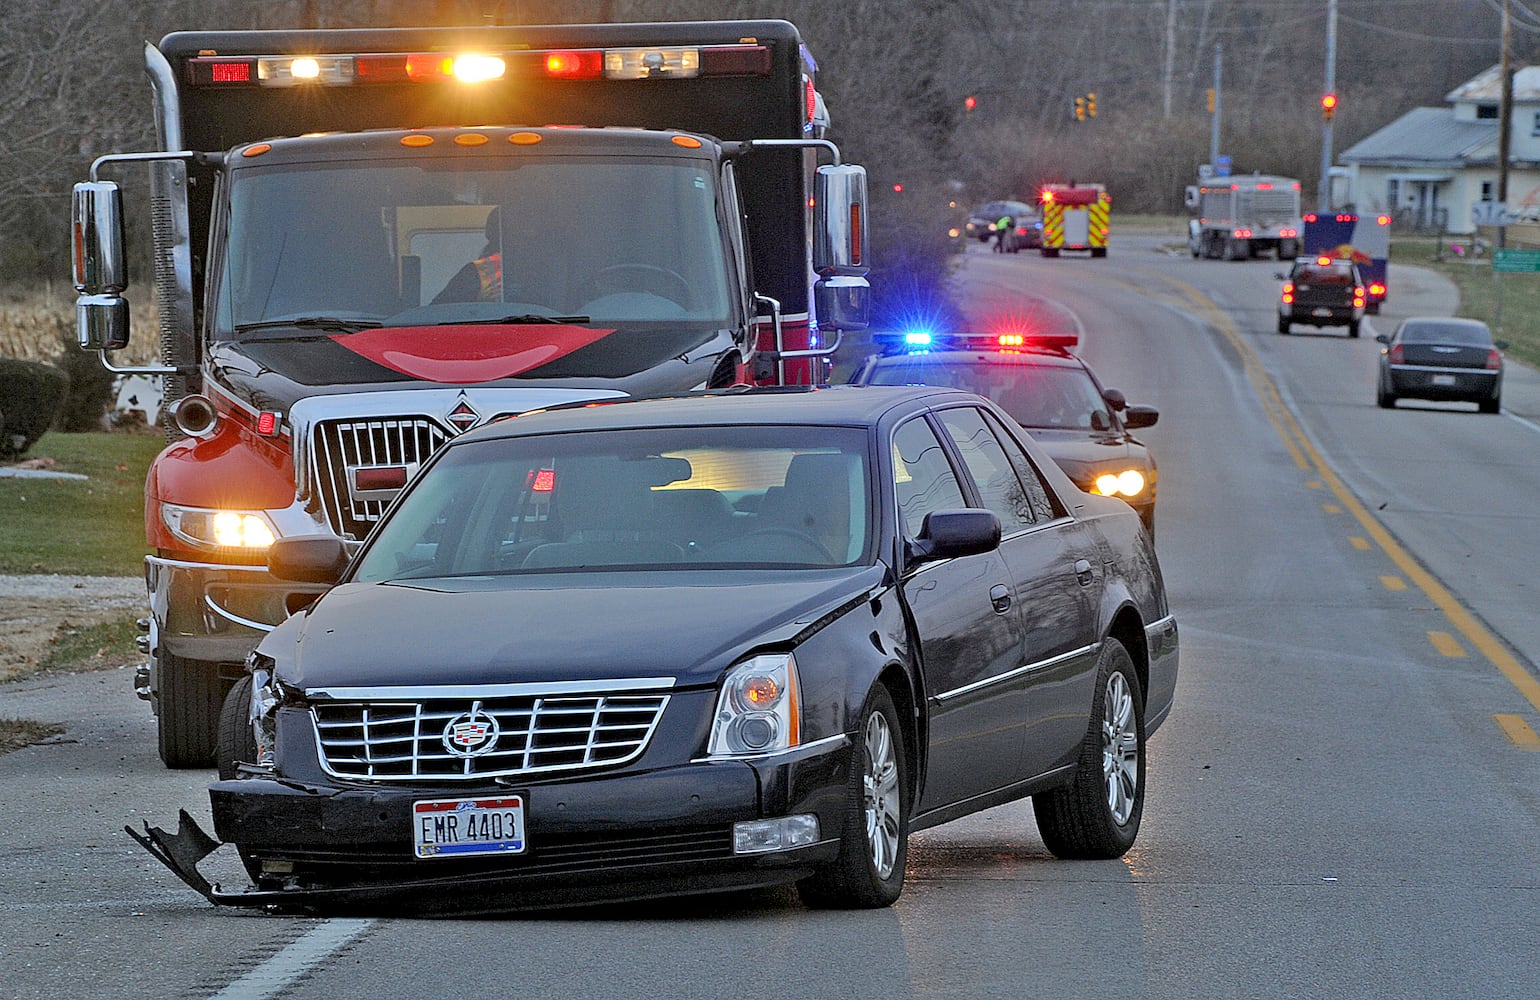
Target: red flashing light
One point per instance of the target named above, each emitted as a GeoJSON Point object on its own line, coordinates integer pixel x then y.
{"type": "Point", "coordinates": [1010, 340]}
{"type": "Point", "coordinates": [380, 69]}
{"type": "Point", "coordinates": [1377, 290]}
{"type": "Point", "coordinates": [970, 102]}
{"type": "Point", "coordinates": [1264, 186]}
{"type": "Point", "coordinates": [1311, 217]}
{"type": "Point", "coordinates": [1323, 259]}
{"type": "Point", "coordinates": [267, 423]}
{"type": "Point", "coordinates": [543, 481]}
{"type": "Point", "coordinates": [221, 72]}
{"type": "Point", "coordinates": [809, 99]}
{"type": "Point", "coordinates": [1383, 220]}
{"type": "Point", "coordinates": [583, 64]}
{"type": "Point", "coordinates": [1047, 197]}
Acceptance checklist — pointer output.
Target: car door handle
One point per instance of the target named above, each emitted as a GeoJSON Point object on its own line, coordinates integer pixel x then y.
{"type": "Point", "coordinates": [1000, 597]}
{"type": "Point", "coordinates": [1083, 572]}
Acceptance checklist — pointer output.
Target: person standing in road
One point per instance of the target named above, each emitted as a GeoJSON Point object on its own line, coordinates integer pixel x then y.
{"type": "Point", "coordinates": [1003, 229]}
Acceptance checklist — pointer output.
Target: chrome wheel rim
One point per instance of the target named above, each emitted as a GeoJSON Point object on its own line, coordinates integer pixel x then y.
{"type": "Point", "coordinates": [1120, 749]}
{"type": "Point", "coordinates": [880, 787]}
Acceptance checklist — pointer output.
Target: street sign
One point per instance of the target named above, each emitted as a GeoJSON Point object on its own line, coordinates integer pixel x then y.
{"type": "Point", "coordinates": [1508, 259]}
{"type": "Point", "coordinates": [1221, 166]}
{"type": "Point", "coordinates": [1488, 213]}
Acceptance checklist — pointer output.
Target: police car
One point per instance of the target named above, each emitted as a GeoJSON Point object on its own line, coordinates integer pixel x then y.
{"type": "Point", "coordinates": [1053, 394]}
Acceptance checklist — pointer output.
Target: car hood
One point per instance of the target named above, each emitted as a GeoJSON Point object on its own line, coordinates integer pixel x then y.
{"type": "Point", "coordinates": [1081, 454]}
{"type": "Point", "coordinates": [688, 626]}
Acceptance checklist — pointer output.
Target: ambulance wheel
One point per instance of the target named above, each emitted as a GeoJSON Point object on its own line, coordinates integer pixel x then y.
{"type": "Point", "coordinates": [189, 695]}
{"type": "Point", "coordinates": [1098, 251]}
{"type": "Point", "coordinates": [1050, 252]}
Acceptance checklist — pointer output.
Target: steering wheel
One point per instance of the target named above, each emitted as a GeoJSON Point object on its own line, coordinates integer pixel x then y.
{"type": "Point", "coordinates": [808, 541]}
{"type": "Point", "coordinates": [670, 285]}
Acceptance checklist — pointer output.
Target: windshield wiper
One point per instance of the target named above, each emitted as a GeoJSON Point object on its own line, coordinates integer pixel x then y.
{"type": "Point", "coordinates": [522, 318]}
{"type": "Point", "coordinates": [334, 323]}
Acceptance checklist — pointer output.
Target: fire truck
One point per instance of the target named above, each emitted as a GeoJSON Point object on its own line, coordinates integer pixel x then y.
{"type": "Point", "coordinates": [1245, 216]}
{"type": "Point", "coordinates": [368, 241]}
{"type": "Point", "coordinates": [1364, 241]}
{"type": "Point", "coordinates": [1075, 217]}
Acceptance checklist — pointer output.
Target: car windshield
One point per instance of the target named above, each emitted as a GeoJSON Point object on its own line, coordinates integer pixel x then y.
{"type": "Point", "coordinates": [468, 239]}
{"type": "Point", "coordinates": [1046, 396]}
{"type": "Point", "coordinates": [687, 499]}
{"type": "Point", "coordinates": [1471, 334]}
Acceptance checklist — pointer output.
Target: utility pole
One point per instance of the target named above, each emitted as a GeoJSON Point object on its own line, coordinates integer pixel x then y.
{"type": "Point", "coordinates": [1213, 129]}
{"type": "Point", "coordinates": [1170, 53]}
{"type": "Point", "coordinates": [1323, 198]}
{"type": "Point", "coordinates": [1504, 124]}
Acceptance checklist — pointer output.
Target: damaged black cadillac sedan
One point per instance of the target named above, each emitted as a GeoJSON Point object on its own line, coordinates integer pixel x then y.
{"type": "Point", "coordinates": [695, 644]}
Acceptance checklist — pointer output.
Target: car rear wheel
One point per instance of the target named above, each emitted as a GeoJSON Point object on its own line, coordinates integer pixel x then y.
{"type": "Point", "coordinates": [1283, 325]}
{"type": "Point", "coordinates": [1385, 398]}
{"type": "Point", "coordinates": [869, 869]}
{"type": "Point", "coordinates": [1097, 815]}
{"type": "Point", "coordinates": [1353, 328]}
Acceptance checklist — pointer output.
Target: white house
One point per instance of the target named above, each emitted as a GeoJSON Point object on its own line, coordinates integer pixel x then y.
{"type": "Point", "coordinates": [1428, 167]}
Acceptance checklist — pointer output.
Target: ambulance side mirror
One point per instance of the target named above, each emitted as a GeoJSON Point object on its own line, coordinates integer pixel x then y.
{"type": "Point", "coordinates": [100, 266]}
{"type": "Point", "coordinates": [842, 296]}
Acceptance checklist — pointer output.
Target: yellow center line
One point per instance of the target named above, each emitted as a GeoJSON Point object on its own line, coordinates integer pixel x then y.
{"type": "Point", "coordinates": [1392, 582]}
{"type": "Point", "coordinates": [1518, 731]}
{"type": "Point", "coordinates": [1446, 644]}
{"type": "Point", "coordinates": [1463, 621]}
{"type": "Point", "coordinates": [1331, 508]}
{"type": "Point", "coordinates": [1359, 543]}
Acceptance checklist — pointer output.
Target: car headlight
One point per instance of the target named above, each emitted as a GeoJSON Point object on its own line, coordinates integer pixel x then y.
{"type": "Point", "coordinates": [219, 529]}
{"type": "Point", "coordinates": [266, 695]}
{"type": "Point", "coordinates": [1128, 483]}
{"type": "Point", "coordinates": [757, 711]}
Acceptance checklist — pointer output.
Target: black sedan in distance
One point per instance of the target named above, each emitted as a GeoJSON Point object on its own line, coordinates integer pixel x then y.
{"type": "Point", "coordinates": [1047, 389]}
{"type": "Point", "coordinates": [694, 644]}
{"type": "Point", "coordinates": [1441, 358]}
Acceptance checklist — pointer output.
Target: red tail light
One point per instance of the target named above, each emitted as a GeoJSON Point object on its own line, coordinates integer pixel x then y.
{"type": "Point", "coordinates": [1358, 298]}
{"type": "Point", "coordinates": [1397, 354]}
{"type": "Point", "coordinates": [543, 481]}
{"type": "Point", "coordinates": [1288, 292]}
{"type": "Point", "coordinates": [1494, 359]}
{"type": "Point", "coordinates": [1377, 290]}
{"type": "Point", "coordinates": [581, 64]}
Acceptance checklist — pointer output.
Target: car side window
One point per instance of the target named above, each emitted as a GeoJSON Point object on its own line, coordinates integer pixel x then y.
{"type": "Point", "coordinates": [1040, 498]}
{"type": "Point", "coordinates": [999, 488]}
{"type": "Point", "coordinates": [922, 477]}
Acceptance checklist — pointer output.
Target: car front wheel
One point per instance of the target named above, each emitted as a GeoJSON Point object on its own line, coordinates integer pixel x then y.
{"type": "Point", "coordinates": [1097, 815]}
{"type": "Point", "coordinates": [869, 869]}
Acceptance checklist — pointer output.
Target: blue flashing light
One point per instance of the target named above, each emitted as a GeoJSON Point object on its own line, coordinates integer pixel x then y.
{"type": "Point", "coordinates": [918, 339]}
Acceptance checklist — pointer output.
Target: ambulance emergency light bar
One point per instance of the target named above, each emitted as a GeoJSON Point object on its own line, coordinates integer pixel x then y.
{"type": "Point", "coordinates": [671, 62]}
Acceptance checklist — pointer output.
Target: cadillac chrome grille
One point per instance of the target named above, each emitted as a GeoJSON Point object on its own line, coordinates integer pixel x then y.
{"type": "Point", "coordinates": [341, 446]}
{"type": "Point", "coordinates": [462, 738]}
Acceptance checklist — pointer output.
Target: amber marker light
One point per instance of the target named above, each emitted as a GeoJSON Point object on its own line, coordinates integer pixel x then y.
{"type": "Point", "coordinates": [257, 150]}
{"type": "Point", "coordinates": [525, 138]}
{"type": "Point", "coordinates": [470, 139]}
{"type": "Point", "coordinates": [686, 141]}
{"type": "Point", "coordinates": [417, 140]}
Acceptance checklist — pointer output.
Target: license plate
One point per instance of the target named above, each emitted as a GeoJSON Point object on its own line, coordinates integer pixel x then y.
{"type": "Point", "coordinates": [455, 828]}
{"type": "Point", "coordinates": [1444, 380]}
{"type": "Point", "coordinates": [1321, 312]}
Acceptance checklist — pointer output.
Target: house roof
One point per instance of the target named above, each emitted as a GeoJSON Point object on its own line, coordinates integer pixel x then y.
{"type": "Point", "coordinates": [1486, 87]}
{"type": "Point", "coordinates": [1428, 137]}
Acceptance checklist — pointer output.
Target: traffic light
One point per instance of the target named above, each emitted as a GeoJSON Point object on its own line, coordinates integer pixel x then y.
{"type": "Point", "coordinates": [1080, 109]}
{"type": "Point", "coordinates": [1328, 106]}
{"type": "Point", "coordinates": [1090, 104]}
{"type": "Point", "coordinates": [1211, 100]}
{"type": "Point", "coordinates": [969, 103]}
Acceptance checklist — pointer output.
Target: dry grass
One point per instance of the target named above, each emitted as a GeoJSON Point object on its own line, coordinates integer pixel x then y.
{"type": "Point", "coordinates": [38, 322]}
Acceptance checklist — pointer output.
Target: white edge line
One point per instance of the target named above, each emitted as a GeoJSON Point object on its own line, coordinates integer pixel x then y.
{"type": "Point", "coordinates": [297, 958]}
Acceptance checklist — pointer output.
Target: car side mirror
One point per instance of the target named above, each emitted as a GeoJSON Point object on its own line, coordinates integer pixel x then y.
{"type": "Point", "coordinates": [1280, 276]}
{"type": "Point", "coordinates": [950, 534]}
{"type": "Point", "coordinates": [1140, 416]}
{"type": "Point", "coordinates": [308, 559]}
{"type": "Point", "coordinates": [1501, 345]}
{"type": "Point", "coordinates": [1382, 338]}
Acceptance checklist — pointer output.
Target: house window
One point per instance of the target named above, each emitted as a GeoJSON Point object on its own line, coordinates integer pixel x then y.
{"type": "Point", "coordinates": [1489, 188]}
{"type": "Point", "coordinates": [1486, 111]}
{"type": "Point", "coordinates": [1534, 129]}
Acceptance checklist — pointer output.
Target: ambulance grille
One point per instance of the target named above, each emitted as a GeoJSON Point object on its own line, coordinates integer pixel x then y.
{"type": "Point", "coordinates": [341, 446]}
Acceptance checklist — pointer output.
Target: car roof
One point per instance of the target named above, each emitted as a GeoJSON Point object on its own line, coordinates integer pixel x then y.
{"type": "Point", "coordinates": [1450, 321]}
{"type": "Point", "coordinates": [834, 406]}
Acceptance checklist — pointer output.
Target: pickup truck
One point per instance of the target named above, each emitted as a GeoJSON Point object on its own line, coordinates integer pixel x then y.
{"type": "Point", "coordinates": [1322, 291]}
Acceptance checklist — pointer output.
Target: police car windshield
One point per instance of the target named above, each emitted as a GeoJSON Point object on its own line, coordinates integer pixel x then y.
{"type": "Point", "coordinates": [457, 239]}
{"type": "Point", "coordinates": [1041, 395]}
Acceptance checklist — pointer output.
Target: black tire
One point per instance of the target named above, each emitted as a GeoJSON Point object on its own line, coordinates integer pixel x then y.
{"type": "Point", "coordinates": [237, 743]}
{"type": "Point", "coordinates": [189, 696]}
{"type": "Point", "coordinates": [1283, 325]}
{"type": "Point", "coordinates": [1098, 251]}
{"type": "Point", "coordinates": [1082, 820]}
{"type": "Point", "coordinates": [1492, 405]}
{"type": "Point", "coordinates": [1385, 398]}
{"type": "Point", "coordinates": [875, 798]}
{"type": "Point", "coordinates": [1050, 252]}
{"type": "Point", "coordinates": [1353, 328]}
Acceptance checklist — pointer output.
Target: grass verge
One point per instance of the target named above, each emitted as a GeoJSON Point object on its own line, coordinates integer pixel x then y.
{"type": "Point", "coordinates": [93, 526]}
{"type": "Point", "coordinates": [1480, 291]}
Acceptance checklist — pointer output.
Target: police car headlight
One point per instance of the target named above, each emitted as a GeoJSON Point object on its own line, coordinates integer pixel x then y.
{"type": "Point", "coordinates": [757, 710]}
{"type": "Point", "coordinates": [1128, 483]}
